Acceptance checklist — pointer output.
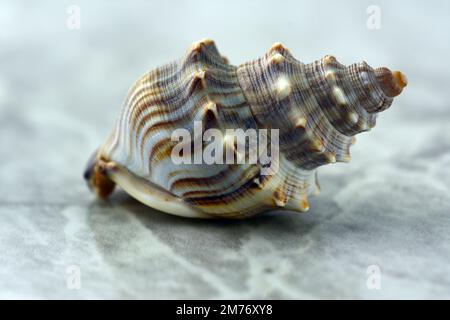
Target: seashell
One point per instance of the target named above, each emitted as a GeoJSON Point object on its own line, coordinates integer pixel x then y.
{"type": "Point", "coordinates": [316, 108]}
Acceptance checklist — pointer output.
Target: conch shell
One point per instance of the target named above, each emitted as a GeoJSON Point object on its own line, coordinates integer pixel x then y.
{"type": "Point", "coordinates": [317, 109]}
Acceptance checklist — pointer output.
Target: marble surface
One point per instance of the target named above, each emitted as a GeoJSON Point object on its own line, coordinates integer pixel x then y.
{"type": "Point", "coordinates": [61, 89]}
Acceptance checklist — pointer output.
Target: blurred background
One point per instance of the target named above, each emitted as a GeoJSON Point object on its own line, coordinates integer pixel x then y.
{"type": "Point", "coordinates": [379, 229]}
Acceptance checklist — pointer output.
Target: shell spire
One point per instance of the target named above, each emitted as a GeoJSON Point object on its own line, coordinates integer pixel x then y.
{"type": "Point", "coordinates": [307, 115]}
{"type": "Point", "coordinates": [392, 83]}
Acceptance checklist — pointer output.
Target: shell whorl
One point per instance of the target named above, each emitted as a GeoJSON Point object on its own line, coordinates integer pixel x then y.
{"type": "Point", "coordinates": [317, 108]}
